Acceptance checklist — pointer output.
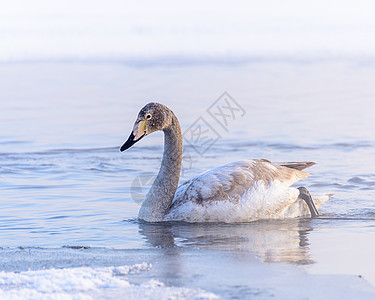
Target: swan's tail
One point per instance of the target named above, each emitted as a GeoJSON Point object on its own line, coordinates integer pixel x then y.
{"type": "Point", "coordinates": [300, 208]}
{"type": "Point", "coordinates": [319, 199]}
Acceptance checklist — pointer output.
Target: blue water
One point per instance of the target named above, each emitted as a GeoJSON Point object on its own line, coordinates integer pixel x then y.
{"type": "Point", "coordinates": [64, 182]}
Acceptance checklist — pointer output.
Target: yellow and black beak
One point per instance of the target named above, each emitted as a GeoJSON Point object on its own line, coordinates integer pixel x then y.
{"type": "Point", "coordinates": [139, 131]}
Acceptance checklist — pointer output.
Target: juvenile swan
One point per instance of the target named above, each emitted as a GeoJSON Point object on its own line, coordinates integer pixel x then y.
{"type": "Point", "coordinates": [241, 191]}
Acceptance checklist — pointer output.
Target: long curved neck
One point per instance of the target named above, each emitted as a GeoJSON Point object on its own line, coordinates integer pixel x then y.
{"type": "Point", "coordinates": [159, 198]}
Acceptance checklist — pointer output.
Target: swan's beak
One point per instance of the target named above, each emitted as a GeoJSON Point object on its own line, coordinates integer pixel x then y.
{"type": "Point", "coordinates": [139, 131]}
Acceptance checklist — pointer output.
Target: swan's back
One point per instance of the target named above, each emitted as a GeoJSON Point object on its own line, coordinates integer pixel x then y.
{"type": "Point", "coordinates": [238, 192]}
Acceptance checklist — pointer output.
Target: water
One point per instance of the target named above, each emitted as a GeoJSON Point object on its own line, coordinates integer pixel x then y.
{"type": "Point", "coordinates": [68, 198]}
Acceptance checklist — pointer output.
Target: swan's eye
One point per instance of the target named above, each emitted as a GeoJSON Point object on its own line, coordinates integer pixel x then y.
{"type": "Point", "coordinates": [148, 117]}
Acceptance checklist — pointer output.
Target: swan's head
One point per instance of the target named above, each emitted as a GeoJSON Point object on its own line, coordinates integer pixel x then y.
{"type": "Point", "coordinates": [152, 117]}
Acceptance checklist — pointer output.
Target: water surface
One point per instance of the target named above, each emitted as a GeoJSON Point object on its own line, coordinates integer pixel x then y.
{"type": "Point", "coordinates": [69, 198]}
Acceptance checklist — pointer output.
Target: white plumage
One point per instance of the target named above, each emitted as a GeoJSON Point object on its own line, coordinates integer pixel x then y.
{"type": "Point", "coordinates": [241, 191]}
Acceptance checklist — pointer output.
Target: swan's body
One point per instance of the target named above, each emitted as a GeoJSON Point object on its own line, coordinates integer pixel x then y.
{"type": "Point", "coordinates": [241, 191]}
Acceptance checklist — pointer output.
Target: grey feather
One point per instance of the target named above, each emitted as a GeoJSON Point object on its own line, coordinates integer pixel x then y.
{"type": "Point", "coordinates": [297, 165]}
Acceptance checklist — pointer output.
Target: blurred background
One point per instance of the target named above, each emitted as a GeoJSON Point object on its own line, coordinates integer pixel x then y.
{"type": "Point", "coordinates": [167, 32]}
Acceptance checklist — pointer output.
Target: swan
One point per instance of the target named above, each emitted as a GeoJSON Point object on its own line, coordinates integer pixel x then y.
{"type": "Point", "coordinates": [241, 191]}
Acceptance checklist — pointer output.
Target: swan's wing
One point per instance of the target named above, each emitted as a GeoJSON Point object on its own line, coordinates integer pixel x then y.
{"type": "Point", "coordinates": [232, 181]}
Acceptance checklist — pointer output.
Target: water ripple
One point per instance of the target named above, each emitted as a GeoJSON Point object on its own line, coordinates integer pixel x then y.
{"type": "Point", "coordinates": [363, 180]}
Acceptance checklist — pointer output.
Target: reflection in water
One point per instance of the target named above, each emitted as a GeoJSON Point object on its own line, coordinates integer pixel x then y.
{"type": "Point", "coordinates": [271, 241]}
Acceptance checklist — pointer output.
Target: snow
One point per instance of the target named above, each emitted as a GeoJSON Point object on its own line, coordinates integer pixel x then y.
{"type": "Point", "coordinates": [90, 283]}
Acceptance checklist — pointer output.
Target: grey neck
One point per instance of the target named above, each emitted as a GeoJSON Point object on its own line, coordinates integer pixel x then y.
{"type": "Point", "coordinates": [159, 198]}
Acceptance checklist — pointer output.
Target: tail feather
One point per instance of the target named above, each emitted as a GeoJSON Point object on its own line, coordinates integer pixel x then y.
{"type": "Point", "coordinates": [297, 165]}
{"type": "Point", "coordinates": [319, 199]}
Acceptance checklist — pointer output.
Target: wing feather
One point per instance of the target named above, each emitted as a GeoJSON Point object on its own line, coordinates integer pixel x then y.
{"type": "Point", "coordinates": [298, 165]}
{"type": "Point", "coordinates": [232, 181]}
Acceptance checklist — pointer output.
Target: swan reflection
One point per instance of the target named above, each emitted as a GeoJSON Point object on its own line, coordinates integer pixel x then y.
{"type": "Point", "coordinates": [271, 241]}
